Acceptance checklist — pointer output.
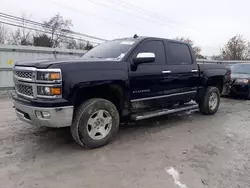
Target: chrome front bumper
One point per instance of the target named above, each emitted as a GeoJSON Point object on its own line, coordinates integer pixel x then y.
{"type": "Point", "coordinates": [58, 116]}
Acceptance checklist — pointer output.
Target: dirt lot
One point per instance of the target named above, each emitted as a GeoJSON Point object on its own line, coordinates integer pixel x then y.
{"type": "Point", "coordinates": [207, 151]}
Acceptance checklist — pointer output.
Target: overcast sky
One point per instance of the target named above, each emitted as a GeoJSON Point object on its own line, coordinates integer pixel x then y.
{"type": "Point", "coordinates": [209, 23]}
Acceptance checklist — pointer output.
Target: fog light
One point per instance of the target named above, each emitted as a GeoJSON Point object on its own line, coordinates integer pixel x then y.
{"type": "Point", "coordinates": [38, 114]}
{"type": "Point", "coordinates": [46, 115]}
{"type": "Point", "coordinates": [42, 114]}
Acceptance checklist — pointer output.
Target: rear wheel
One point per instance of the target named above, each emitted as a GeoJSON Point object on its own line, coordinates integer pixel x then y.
{"type": "Point", "coordinates": [95, 124]}
{"type": "Point", "coordinates": [210, 102]}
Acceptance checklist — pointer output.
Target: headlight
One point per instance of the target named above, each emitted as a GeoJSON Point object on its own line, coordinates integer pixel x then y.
{"type": "Point", "coordinates": [245, 81]}
{"type": "Point", "coordinates": [49, 91]}
{"type": "Point", "coordinates": [48, 76]}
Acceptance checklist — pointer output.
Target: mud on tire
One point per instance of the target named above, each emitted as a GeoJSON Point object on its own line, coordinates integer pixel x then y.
{"type": "Point", "coordinates": [80, 128]}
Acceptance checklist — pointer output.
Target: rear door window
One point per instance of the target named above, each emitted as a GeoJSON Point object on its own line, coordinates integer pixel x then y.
{"type": "Point", "coordinates": [179, 54]}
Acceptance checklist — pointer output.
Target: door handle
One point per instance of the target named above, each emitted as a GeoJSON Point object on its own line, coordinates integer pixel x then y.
{"type": "Point", "coordinates": [194, 70]}
{"type": "Point", "coordinates": [166, 72]}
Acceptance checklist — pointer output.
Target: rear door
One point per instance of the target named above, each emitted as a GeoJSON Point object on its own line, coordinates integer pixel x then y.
{"type": "Point", "coordinates": [182, 71]}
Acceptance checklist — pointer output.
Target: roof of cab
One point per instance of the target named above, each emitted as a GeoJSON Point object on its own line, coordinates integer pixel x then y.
{"type": "Point", "coordinates": [140, 38]}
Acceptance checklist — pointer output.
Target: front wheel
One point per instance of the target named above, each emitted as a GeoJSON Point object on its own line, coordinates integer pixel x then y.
{"type": "Point", "coordinates": [210, 103]}
{"type": "Point", "coordinates": [95, 124]}
{"type": "Point", "coordinates": [248, 96]}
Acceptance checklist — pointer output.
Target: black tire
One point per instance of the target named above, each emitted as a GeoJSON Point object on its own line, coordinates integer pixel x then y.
{"type": "Point", "coordinates": [248, 96]}
{"type": "Point", "coordinates": [204, 102]}
{"type": "Point", "coordinates": [83, 113]}
{"type": "Point", "coordinates": [232, 95]}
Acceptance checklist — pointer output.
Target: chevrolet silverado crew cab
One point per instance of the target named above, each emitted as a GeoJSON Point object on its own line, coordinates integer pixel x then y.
{"type": "Point", "coordinates": [131, 78]}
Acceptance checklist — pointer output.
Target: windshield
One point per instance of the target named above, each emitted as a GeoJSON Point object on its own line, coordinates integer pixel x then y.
{"type": "Point", "coordinates": [110, 50]}
{"type": "Point", "coordinates": [241, 68]}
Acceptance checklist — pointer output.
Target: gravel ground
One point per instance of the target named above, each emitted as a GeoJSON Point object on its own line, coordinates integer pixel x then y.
{"type": "Point", "coordinates": [206, 151]}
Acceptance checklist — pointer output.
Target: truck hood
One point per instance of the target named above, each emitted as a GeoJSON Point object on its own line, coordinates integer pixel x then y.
{"type": "Point", "coordinates": [45, 63]}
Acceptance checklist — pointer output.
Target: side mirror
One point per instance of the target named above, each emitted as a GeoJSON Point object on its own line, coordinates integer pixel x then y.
{"type": "Point", "coordinates": [144, 57]}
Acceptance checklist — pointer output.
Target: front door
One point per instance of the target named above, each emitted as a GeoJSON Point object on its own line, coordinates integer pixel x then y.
{"type": "Point", "coordinates": [147, 82]}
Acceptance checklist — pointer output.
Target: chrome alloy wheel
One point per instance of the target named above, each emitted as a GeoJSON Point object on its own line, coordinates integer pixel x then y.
{"type": "Point", "coordinates": [99, 124]}
{"type": "Point", "coordinates": [213, 101]}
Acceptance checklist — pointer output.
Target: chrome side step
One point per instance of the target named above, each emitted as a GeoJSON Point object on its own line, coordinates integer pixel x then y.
{"type": "Point", "coordinates": [146, 115]}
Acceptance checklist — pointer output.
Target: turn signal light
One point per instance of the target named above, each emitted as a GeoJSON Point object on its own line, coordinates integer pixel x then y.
{"type": "Point", "coordinates": [55, 76]}
{"type": "Point", "coordinates": [55, 90]}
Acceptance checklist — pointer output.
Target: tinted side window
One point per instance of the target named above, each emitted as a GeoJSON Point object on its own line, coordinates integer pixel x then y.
{"type": "Point", "coordinates": [179, 53]}
{"type": "Point", "coordinates": [156, 47]}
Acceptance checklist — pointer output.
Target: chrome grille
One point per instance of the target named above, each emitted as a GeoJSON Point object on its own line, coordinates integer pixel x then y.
{"type": "Point", "coordinates": [24, 74]}
{"type": "Point", "coordinates": [24, 90]}
{"type": "Point", "coordinates": [26, 83]}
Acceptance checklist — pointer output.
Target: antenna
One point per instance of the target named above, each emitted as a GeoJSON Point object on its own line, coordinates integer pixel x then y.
{"type": "Point", "coordinates": [135, 36]}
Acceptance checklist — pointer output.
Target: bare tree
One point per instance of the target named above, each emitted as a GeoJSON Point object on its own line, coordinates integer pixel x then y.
{"type": "Point", "coordinates": [88, 46]}
{"type": "Point", "coordinates": [81, 45]}
{"type": "Point", "coordinates": [3, 34]}
{"type": "Point", "coordinates": [196, 49]}
{"type": "Point", "coordinates": [237, 48]}
{"type": "Point", "coordinates": [22, 36]}
{"type": "Point", "coordinates": [59, 29]}
{"type": "Point", "coordinates": [248, 51]}
{"type": "Point", "coordinates": [216, 57]}
{"type": "Point", "coordinates": [71, 44]}
{"type": "Point", "coordinates": [42, 40]}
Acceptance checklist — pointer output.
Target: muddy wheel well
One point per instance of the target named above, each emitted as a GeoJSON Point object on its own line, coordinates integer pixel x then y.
{"type": "Point", "coordinates": [217, 82]}
{"type": "Point", "coordinates": [114, 93]}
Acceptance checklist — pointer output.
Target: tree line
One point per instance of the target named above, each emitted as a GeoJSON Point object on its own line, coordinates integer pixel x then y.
{"type": "Point", "coordinates": [56, 33]}
{"type": "Point", "coordinates": [237, 48]}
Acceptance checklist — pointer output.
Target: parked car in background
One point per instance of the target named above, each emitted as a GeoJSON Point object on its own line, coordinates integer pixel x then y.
{"type": "Point", "coordinates": [240, 80]}
{"type": "Point", "coordinates": [131, 78]}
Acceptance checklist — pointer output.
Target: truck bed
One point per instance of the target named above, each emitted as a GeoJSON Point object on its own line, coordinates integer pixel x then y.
{"type": "Point", "coordinates": [205, 66]}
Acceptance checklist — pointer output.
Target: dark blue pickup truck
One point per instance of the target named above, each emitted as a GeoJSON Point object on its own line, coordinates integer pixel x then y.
{"type": "Point", "coordinates": [124, 79]}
